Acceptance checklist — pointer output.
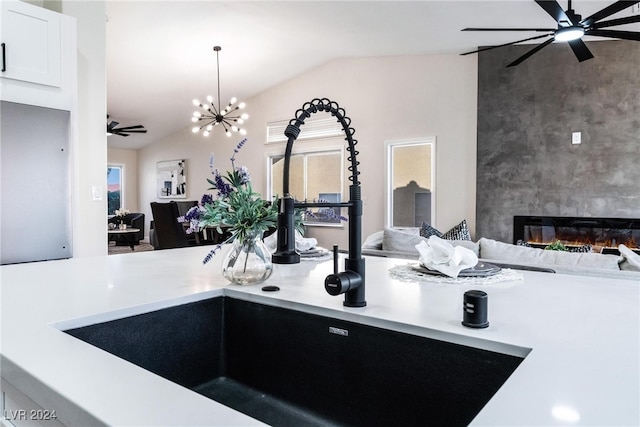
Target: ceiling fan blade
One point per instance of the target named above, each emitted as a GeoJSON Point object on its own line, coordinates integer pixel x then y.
{"type": "Point", "coordinates": [580, 49]}
{"type": "Point", "coordinates": [112, 124]}
{"type": "Point", "coordinates": [135, 131]}
{"type": "Point", "coordinates": [554, 9]}
{"type": "Point", "coordinates": [131, 127]}
{"type": "Point", "coordinates": [625, 35]}
{"type": "Point", "coordinates": [120, 134]}
{"type": "Point", "coordinates": [506, 44]}
{"type": "Point", "coordinates": [608, 11]}
{"type": "Point", "coordinates": [529, 53]}
{"type": "Point", "coordinates": [508, 29]}
{"type": "Point", "coordinates": [620, 21]}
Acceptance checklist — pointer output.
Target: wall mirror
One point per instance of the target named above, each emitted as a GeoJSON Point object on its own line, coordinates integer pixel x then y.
{"type": "Point", "coordinates": [410, 198]}
{"type": "Point", "coordinates": [172, 179]}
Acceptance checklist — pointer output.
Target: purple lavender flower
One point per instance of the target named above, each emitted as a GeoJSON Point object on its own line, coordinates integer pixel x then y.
{"type": "Point", "coordinates": [224, 189]}
{"type": "Point", "coordinates": [211, 162]}
{"type": "Point", "coordinates": [332, 213]}
{"type": "Point", "coordinates": [211, 253]}
{"type": "Point", "coordinates": [243, 174]}
{"type": "Point", "coordinates": [192, 214]}
{"type": "Point", "coordinates": [237, 149]}
{"type": "Point", "coordinates": [193, 218]}
{"type": "Point", "coordinates": [206, 199]}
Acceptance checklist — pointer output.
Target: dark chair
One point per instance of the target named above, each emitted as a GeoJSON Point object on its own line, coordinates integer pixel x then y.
{"type": "Point", "coordinates": [167, 230]}
{"type": "Point", "coordinates": [133, 220]}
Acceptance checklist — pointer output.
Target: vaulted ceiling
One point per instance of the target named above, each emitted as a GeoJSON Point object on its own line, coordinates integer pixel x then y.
{"type": "Point", "coordinates": [160, 53]}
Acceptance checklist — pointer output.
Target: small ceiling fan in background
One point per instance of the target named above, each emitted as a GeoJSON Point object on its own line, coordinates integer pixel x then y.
{"type": "Point", "coordinates": [571, 28]}
{"type": "Point", "coordinates": [123, 131]}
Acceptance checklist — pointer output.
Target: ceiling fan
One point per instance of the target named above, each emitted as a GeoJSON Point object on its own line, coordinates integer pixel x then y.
{"type": "Point", "coordinates": [123, 131]}
{"type": "Point", "coordinates": [571, 28]}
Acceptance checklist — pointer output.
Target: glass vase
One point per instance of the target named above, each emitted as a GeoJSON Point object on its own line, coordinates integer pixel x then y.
{"type": "Point", "coordinates": [248, 261]}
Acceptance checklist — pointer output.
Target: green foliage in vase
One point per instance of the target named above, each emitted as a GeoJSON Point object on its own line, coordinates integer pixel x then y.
{"type": "Point", "coordinates": [237, 208]}
{"type": "Point", "coordinates": [241, 209]}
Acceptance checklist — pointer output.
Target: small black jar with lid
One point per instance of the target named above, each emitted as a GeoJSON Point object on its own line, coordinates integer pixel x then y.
{"type": "Point", "coordinates": [475, 309]}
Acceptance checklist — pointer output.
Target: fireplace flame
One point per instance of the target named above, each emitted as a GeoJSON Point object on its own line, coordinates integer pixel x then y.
{"type": "Point", "coordinates": [540, 238]}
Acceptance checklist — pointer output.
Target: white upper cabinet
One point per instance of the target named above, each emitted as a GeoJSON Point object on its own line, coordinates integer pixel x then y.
{"type": "Point", "coordinates": [38, 56]}
{"type": "Point", "coordinates": [31, 44]}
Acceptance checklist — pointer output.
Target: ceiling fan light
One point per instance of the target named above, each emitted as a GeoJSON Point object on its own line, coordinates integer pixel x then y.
{"type": "Point", "coordinates": [244, 116]}
{"type": "Point", "coordinates": [196, 102]}
{"type": "Point", "coordinates": [210, 98]}
{"type": "Point", "coordinates": [205, 133]}
{"type": "Point", "coordinates": [243, 132]}
{"type": "Point", "coordinates": [569, 34]}
{"type": "Point", "coordinates": [242, 105]}
{"type": "Point", "coordinates": [233, 101]}
{"type": "Point", "coordinates": [195, 129]}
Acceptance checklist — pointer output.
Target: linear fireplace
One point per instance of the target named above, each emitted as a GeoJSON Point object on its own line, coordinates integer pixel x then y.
{"type": "Point", "coordinates": [603, 235]}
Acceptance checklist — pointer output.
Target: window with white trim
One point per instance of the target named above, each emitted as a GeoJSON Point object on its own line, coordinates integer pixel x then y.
{"type": "Point", "coordinates": [410, 182]}
{"type": "Point", "coordinates": [313, 176]}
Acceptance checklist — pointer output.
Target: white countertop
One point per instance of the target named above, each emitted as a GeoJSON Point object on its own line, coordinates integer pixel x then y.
{"type": "Point", "coordinates": [584, 334]}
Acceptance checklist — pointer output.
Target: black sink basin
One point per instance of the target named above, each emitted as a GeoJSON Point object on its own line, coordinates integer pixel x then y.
{"type": "Point", "coordinates": [290, 368]}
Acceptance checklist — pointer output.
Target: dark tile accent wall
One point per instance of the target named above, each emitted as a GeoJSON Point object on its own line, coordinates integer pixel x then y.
{"type": "Point", "coordinates": [526, 114]}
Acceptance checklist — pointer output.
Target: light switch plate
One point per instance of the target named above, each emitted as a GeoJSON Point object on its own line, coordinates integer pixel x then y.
{"type": "Point", "coordinates": [576, 138]}
{"type": "Point", "coordinates": [96, 193]}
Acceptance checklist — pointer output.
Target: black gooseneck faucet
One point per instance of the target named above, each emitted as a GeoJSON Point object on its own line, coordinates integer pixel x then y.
{"type": "Point", "coordinates": [350, 282]}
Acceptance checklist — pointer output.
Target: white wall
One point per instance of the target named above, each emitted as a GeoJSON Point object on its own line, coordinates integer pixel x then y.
{"type": "Point", "coordinates": [90, 146]}
{"type": "Point", "coordinates": [387, 98]}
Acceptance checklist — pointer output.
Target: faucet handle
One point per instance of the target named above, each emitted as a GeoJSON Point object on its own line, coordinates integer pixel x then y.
{"type": "Point", "coordinates": [339, 283]}
{"type": "Point", "coordinates": [336, 284]}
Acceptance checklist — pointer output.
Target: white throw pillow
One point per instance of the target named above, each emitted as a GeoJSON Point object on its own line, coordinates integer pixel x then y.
{"type": "Point", "coordinates": [403, 241]}
{"type": "Point", "coordinates": [410, 230]}
{"type": "Point", "coordinates": [374, 241]}
{"type": "Point", "coordinates": [400, 241]}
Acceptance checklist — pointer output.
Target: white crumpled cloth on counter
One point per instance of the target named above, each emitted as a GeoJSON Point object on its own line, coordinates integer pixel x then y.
{"type": "Point", "coordinates": [306, 246]}
{"type": "Point", "coordinates": [302, 243]}
{"type": "Point", "coordinates": [439, 255]}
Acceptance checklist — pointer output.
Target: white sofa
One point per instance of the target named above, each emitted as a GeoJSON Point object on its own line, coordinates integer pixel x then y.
{"type": "Point", "coordinates": [400, 243]}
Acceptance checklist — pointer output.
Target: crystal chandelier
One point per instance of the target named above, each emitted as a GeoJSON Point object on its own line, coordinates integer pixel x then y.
{"type": "Point", "coordinates": [211, 116]}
